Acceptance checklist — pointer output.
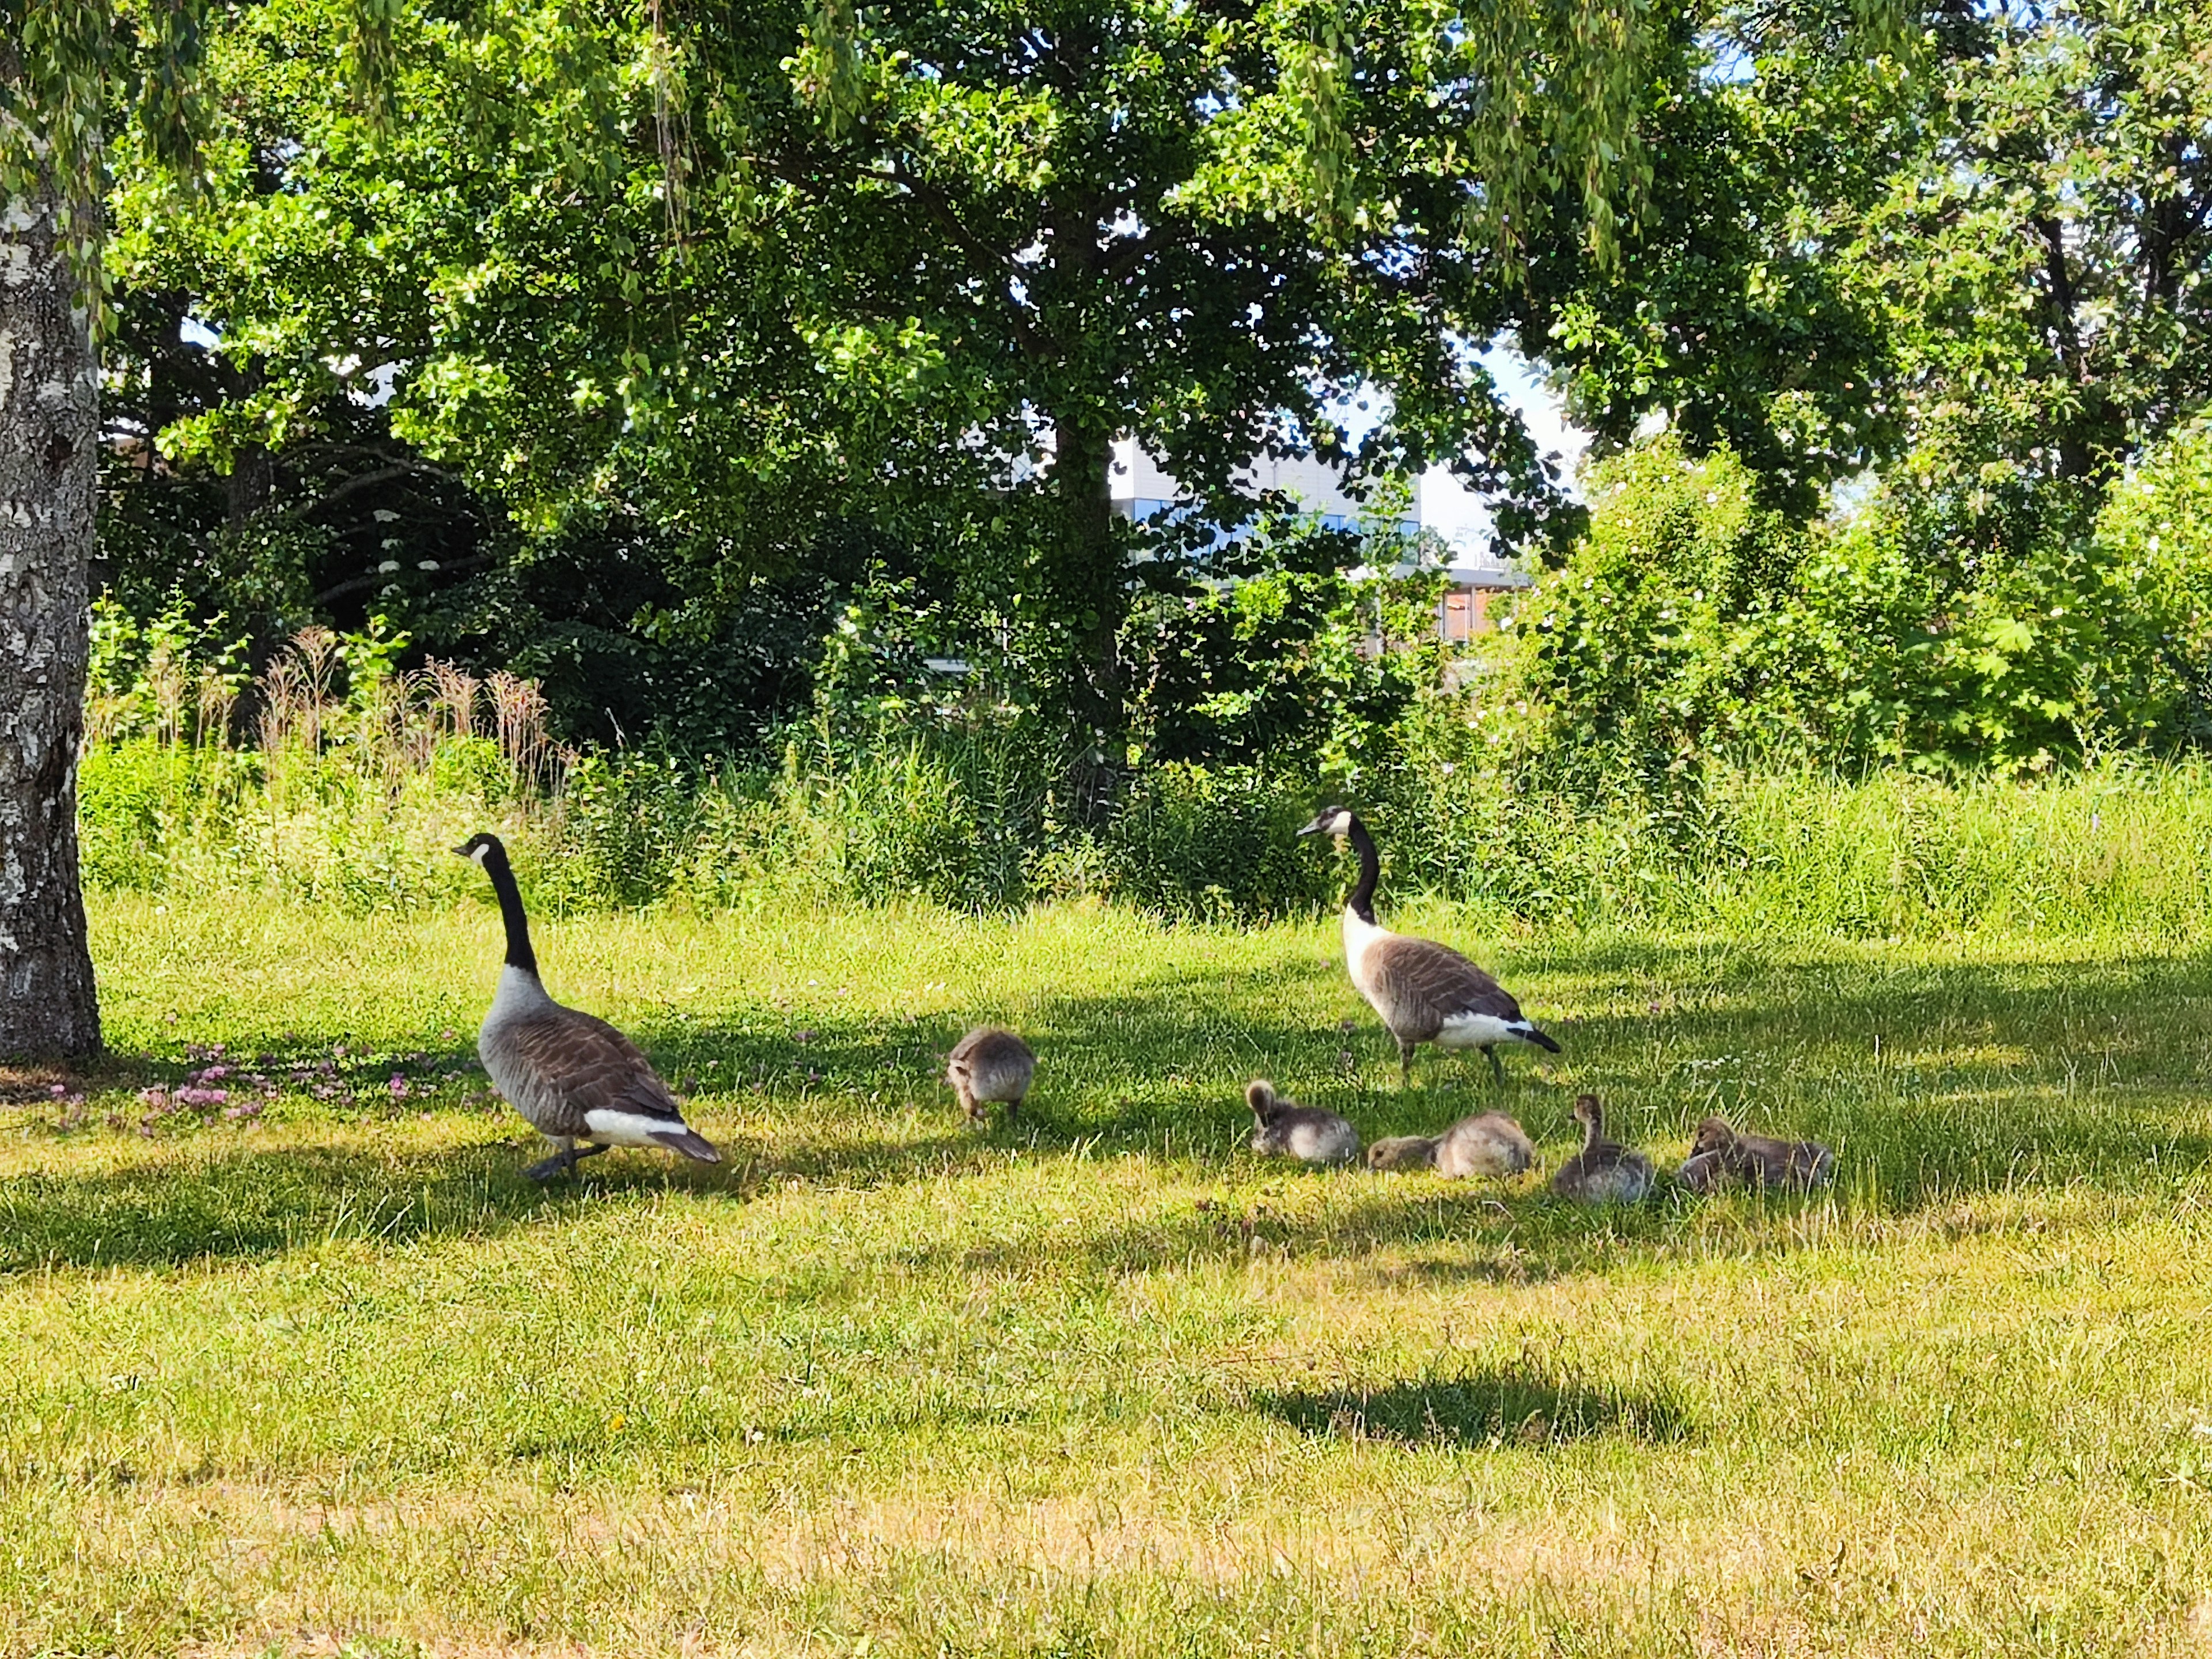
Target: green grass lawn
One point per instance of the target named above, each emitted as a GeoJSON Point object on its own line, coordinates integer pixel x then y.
{"type": "Point", "coordinates": [334, 1376]}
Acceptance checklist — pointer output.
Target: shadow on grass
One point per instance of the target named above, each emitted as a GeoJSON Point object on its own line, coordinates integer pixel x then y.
{"type": "Point", "coordinates": [1521, 1405]}
{"type": "Point", "coordinates": [1934, 1081]}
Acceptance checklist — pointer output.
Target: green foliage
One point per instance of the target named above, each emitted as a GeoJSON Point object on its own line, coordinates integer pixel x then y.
{"type": "Point", "coordinates": [2156, 526]}
{"type": "Point", "coordinates": [1694, 624]}
{"type": "Point", "coordinates": [1656, 641]}
{"type": "Point", "coordinates": [1305, 671]}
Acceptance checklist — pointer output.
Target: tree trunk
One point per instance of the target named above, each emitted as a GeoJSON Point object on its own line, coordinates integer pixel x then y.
{"type": "Point", "coordinates": [1092, 591]}
{"type": "Point", "coordinates": [49, 437]}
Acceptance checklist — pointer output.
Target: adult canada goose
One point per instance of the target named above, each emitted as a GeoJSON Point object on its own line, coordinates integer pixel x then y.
{"type": "Point", "coordinates": [1425, 992]}
{"type": "Point", "coordinates": [579, 1082]}
{"type": "Point", "coordinates": [990, 1067]}
{"type": "Point", "coordinates": [1490, 1144]}
{"type": "Point", "coordinates": [1604, 1171]}
{"type": "Point", "coordinates": [1759, 1160]}
{"type": "Point", "coordinates": [1282, 1128]}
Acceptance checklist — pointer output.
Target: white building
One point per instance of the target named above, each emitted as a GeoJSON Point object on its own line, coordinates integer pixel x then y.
{"type": "Point", "coordinates": [1440, 504]}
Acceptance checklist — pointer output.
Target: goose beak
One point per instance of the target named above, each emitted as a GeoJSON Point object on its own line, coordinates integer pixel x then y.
{"type": "Point", "coordinates": [1313, 828]}
{"type": "Point", "coordinates": [460, 851]}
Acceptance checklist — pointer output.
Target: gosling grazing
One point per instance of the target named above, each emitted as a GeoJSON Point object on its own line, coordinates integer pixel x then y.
{"type": "Point", "coordinates": [1489, 1144]}
{"type": "Point", "coordinates": [987, 1067]}
{"type": "Point", "coordinates": [577, 1080]}
{"type": "Point", "coordinates": [1759, 1160]}
{"type": "Point", "coordinates": [1282, 1128]}
{"type": "Point", "coordinates": [1425, 992]}
{"type": "Point", "coordinates": [1604, 1171]}
{"type": "Point", "coordinates": [1395, 1154]}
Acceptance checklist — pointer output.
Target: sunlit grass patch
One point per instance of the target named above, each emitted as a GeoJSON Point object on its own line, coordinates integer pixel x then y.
{"type": "Point", "coordinates": [1102, 1382]}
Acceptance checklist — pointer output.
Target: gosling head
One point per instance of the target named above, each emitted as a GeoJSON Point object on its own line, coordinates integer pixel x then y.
{"type": "Point", "coordinates": [1713, 1135]}
{"type": "Point", "coordinates": [1259, 1095]}
{"type": "Point", "coordinates": [1330, 821]}
{"type": "Point", "coordinates": [1589, 1114]}
{"type": "Point", "coordinates": [1402, 1152]}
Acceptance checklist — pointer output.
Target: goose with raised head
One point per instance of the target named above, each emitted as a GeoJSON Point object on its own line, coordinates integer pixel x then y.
{"type": "Point", "coordinates": [578, 1081]}
{"type": "Point", "coordinates": [990, 1067]}
{"type": "Point", "coordinates": [1759, 1160]}
{"type": "Point", "coordinates": [1604, 1171]}
{"type": "Point", "coordinates": [1424, 991]}
{"type": "Point", "coordinates": [1282, 1128]}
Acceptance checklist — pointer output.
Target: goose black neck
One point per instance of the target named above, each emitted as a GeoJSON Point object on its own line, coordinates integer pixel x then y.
{"type": "Point", "coordinates": [519, 953]}
{"type": "Point", "coordinates": [1362, 901]}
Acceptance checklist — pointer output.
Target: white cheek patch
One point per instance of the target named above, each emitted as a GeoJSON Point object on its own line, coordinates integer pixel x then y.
{"type": "Point", "coordinates": [629, 1128]}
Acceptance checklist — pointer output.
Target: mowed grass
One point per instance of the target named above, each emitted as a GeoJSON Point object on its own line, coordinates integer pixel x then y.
{"type": "Point", "coordinates": [337, 1377]}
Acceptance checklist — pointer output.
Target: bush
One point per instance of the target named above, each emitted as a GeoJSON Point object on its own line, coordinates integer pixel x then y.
{"type": "Point", "coordinates": [1691, 625]}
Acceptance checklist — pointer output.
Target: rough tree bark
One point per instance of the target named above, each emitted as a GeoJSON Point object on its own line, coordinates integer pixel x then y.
{"type": "Point", "coordinates": [49, 434]}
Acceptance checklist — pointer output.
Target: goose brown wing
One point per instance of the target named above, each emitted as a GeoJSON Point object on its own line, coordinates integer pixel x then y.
{"type": "Point", "coordinates": [581, 1064]}
{"type": "Point", "coordinates": [1418, 972]}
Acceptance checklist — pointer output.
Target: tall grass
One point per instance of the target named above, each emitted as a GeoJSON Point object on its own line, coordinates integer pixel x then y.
{"type": "Point", "coordinates": [335, 776]}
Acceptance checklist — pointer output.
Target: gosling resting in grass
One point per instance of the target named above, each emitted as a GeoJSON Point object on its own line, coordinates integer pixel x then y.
{"type": "Point", "coordinates": [988, 1067]}
{"type": "Point", "coordinates": [1759, 1160]}
{"type": "Point", "coordinates": [1490, 1144]}
{"type": "Point", "coordinates": [577, 1080]}
{"type": "Point", "coordinates": [1604, 1171]}
{"type": "Point", "coordinates": [1425, 992]}
{"type": "Point", "coordinates": [1702, 1172]}
{"type": "Point", "coordinates": [1282, 1128]}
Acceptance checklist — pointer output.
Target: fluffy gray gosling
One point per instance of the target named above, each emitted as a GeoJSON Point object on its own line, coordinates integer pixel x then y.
{"type": "Point", "coordinates": [1282, 1128]}
{"type": "Point", "coordinates": [1604, 1171]}
{"type": "Point", "coordinates": [990, 1068]}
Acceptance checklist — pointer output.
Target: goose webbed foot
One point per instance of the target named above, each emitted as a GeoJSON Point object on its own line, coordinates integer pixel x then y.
{"type": "Point", "coordinates": [562, 1162]}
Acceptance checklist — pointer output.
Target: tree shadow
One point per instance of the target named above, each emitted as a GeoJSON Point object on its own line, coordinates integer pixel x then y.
{"type": "Point", "coordinates": [1521, 1405]}
{"type": "Point", "coordinates": [1933, 1079]}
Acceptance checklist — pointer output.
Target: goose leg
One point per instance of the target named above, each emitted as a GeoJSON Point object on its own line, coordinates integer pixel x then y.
{"type": "Point", "coordinates": [566, 1158]}
{"type": "Point", "coordinates": [1405, 1063]}
{"type": "Point", "coordinates": [1497, 1066]}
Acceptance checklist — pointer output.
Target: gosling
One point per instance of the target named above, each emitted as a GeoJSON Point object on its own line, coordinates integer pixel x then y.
{"type": "Point", "coordinates": [1282, 1128]}
{"type": "Point", "coordinates": [990, 1068]}
{"type": "Point", "coordinates": [1759, 1160]}
{"type": "Point", "coordinates": [1604, 1171]}
{"type": "Point", "coordinates": [1490, 1144]}
{"type": "Point", "coordinates": [1702, 1172]}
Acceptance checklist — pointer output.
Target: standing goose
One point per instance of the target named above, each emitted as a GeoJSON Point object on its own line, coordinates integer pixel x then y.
{"type": "Point", "coordinates": [573, 1076]}
{"type": "Point", "coordinates": [1425, 992]}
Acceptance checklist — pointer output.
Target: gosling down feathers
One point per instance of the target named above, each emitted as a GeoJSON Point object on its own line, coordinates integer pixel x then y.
{"type": "Point", "coordinates": [1425, 992]}
{"type": "Point", "coordinates": [1604, 1171]}
{"type": "Point", "coordinates": [577, 1080]}
{"type": "Point", "coordinates": [989, 1067]}
{"type": "Point", "coordinates": [1282, 1128]}
{"type": "Point", "coordinates": [1721, 1155]}
{"type": "Point", "coordinates": [1490, 1144]}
